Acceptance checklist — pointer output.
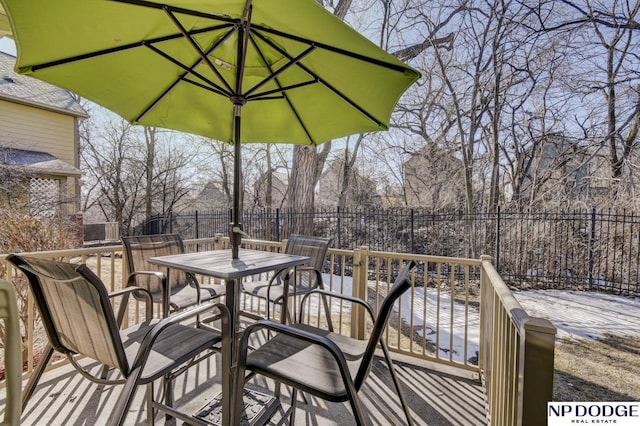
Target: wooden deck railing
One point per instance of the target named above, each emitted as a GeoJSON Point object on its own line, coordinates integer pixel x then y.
{"type": "Point", "coordinates": [459, 314]}
{"type": "Point", "coordinates": [516, 356]}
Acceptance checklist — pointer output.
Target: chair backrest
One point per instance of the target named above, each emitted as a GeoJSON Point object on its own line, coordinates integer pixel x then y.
{"type": "Point", "coordinates": [314, 247]}
{"type": "Point", "coordinates": [141, 247]}
{"type": "Point", "coordinates": [12, 352]}
{"type": "Point", "coordinates": [400, 286]}
{"type": "Point", "coordinates": [75, 309]}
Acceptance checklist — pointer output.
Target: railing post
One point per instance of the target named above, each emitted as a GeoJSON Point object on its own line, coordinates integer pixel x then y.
{"type": "Point", "coordinates": [537, 345]}
{"type": "Point", "coordinates": [359, 290]}
{"type": "Point", "coordinates": [485, 313]}
{"type": "Point", "coordinates": [277, 224]}
{"type": "Point", "coordinates": [217, 241]}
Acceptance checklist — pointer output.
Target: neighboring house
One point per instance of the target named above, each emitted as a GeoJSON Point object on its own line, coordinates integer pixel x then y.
{"type": "Point", "coordinates": [211, 197]}
{"type": "Point", "coordinates": [279, 188]}
{"type": "Point", "coordinates": [559, 169]}
{"type": "Point", "coordinates": [390, 196]}
{"type": "Point", "coordinates": [434, 179]}
{"type": "Point", "coordinates": [360, 193]}
{"type": "Point", "coordinates": [39, 142]}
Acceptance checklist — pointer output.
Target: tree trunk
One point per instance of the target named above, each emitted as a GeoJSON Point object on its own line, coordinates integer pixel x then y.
{"type": "Point", "coordinates": [307, 167]}
{"type": "Point", "coordinates": [150, 140]}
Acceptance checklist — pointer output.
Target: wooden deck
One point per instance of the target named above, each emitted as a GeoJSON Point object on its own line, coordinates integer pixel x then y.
{"type": "Point", "coordinates": [63, 397]}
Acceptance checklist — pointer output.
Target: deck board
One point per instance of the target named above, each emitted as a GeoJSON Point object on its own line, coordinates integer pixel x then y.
{"type": "Point", "coordinates": [63, 397]}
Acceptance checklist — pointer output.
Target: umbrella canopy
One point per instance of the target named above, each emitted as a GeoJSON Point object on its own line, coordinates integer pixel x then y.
{"type": "Point", "coordinates": [283, 71]}
{"type": "Point", "coordinates": [5, 28]}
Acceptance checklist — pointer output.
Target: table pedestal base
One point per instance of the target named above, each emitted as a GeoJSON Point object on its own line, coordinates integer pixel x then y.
{"type": "Point", "coordinates": [257, 408]}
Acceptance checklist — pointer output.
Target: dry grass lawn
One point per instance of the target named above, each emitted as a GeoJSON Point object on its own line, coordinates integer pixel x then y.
{"type": "Point", "coordinates": [597, 370]}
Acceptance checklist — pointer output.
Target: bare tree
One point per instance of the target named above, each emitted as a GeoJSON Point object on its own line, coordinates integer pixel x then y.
{"type": "Point", "coordinates": [133, 172]}
{"type": "Point", "coordinates": [607, 78]}
{"type": "Point", "coordinates": [113, 179]}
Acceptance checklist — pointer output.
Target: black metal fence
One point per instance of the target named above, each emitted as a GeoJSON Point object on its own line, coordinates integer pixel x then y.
{"type": "Point", "coordinates": [581, 250]}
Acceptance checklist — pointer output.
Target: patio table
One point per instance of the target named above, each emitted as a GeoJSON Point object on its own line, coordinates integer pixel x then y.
{"type": "Point", "coordinates": [219, 264]}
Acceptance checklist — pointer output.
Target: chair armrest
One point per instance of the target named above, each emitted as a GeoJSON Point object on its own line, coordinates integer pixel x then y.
{"type": "Point", "coordinates": [152, 335]}
{"type": "Point", "coordinates": [310, 269]}
{"type": "Point", "coordinates": [345, 297]}
{"type": "Point", "coordinates": [164, 285]}
{"type": "Point", "coordinates": [276, 275]}
{"type": "Point", "coordinates": [160, 275]}
{"type": "Point", "coordinates": [148, 301]}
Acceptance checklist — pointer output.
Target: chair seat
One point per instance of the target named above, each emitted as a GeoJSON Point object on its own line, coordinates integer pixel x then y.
{"type": "Point", "coordinates": [185, 296]}
{"type": "Point", "coordinates": [178, 343]}
{"type": "Point", "coordinates": [283, 357]}
{"type": "Point", "coordinates": [260, 289]}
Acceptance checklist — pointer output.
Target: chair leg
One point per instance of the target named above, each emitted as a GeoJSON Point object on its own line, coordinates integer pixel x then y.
{"type": "Point", "coordinates": [35, 376]}
{"type": "Point", "coordinates": [396, 382]}
{"type": "Point", "coordinates": [150, 410]}
{"type": "Point", "coordinates": [356, 407]}
{"type": "Point", "coordinates": [124, 400]}
{"type": "Point", "coordinates": [294, 400]}
{"type": "Point", "coordinates": [168, 394]}
{"type": "Point", "coordinates": [327, 311]}
{"type": "Point", "coordinates": [238, 388]}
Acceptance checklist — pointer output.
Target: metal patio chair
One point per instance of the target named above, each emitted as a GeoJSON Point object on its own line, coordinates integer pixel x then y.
{"type": "Point", "coordinates": [319, 362]}
{"type": "Point", "coordinates": [12, 353]}
{"type": "Point", "coordinates": [79, 320]}
{"type": "Point", "coordinates": [183, 289]}
{"type": "Point", "coordinates": [306, 278]}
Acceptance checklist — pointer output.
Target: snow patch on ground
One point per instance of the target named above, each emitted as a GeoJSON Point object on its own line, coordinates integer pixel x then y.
{"type": "Point", "coordinates": [580, 314]}
{"type": "Point", "coordinates": [576, 314]}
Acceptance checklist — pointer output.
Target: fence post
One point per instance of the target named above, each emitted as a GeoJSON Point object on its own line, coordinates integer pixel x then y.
{"type": "Point", "coordinates": [498, 216]}
{"type": "Point", "coordinates": [413, 240]}
{"type": "Point", "coordinates": [339, 224]}
{"type": "Point", "coordinates": [538, 337]}
{"type": "Point", "coordinates": [592, 237]}
{"type": "Point", "coordinates": [197, 227]}
{"type": "Point", "coordinates": [359, 290]}
{"type": "Point", "coordinates": [277, 224]}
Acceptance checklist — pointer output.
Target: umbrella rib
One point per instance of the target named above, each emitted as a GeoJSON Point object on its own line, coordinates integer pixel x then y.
{"type": "Point", "coordinates": [197, 48]}
{"type": "Point", "coordinates": [374, 61]}
{"type": "Point", "coordinates": [111, 50]}
{"type": "Point", "coordinates": [187, 69]}
{"type": "Point", "coordinates": [281, 90]}
{"type": "Point", "coordinates": [325, 83]}
{"type": "Point", "coordinates": [155, 102]}
{"type": "Point", "coordinates": [273, 75]}
{"type": "Point", "coordinates": [202, 86]}
{"type": "Point", "coordinates": [152, 5]}
{"type": "Point", "coordinates": [214, 88]}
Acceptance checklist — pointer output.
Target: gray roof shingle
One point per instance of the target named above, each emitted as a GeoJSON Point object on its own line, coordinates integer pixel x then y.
{"type": "Point", "coordinates": [28, 90]}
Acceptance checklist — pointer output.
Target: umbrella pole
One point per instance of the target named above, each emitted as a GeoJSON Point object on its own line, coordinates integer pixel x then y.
{"type": "Point", "coordinates": [235, 231]}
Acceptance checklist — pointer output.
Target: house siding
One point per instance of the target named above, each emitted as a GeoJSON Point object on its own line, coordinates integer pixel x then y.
{"type": "Point", "coordinates": [33, 129]}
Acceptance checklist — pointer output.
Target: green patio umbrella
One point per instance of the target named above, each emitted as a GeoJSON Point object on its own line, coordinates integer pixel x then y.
{"type": "Point", "coordinates": [281, 71]}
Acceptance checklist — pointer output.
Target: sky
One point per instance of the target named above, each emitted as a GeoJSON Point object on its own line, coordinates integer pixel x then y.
{"type": "Point", "coordinates": [7, 46]}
